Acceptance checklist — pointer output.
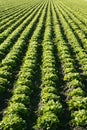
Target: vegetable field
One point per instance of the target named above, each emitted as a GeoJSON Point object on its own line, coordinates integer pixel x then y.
{"type": "Point", "coordinates": [43, 65]}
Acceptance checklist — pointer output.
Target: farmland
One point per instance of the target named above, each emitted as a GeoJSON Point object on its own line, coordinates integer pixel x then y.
{"type": "Point", "coordinates": [43, 65]}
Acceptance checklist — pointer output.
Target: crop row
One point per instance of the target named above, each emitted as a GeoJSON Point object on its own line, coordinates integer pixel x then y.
{"type": "Point", "coordinates": [50, 108]}
{"type": "Point", "coordinates": [11, 61]}
{"type": "Point", "coordinates": [10, 17]}
{"type": "Point", "coordinates": [9, 30]}
{"type": "Point", "coordinates": [9, 13]}
{"type": "Point", "coordinates": [9, 42]}
{"type": "Point", "coordinates": [77, 27]}
{"type": "Point", "coordinates": [42, 47]}
{"type": "Point", "coordinates": [17, 15]}
{"type": "Point", "coordinates": [80, 19]}
{"type": "Point", "coordinates": [76, 10]}
{"type": "Point", "coordinates": [11, 9]}
{"type": "Point", "coordinates": [18, 109]}
{"type": "Point", "coordinates": [7, 23]}
{"type": "Point", "coordinates": [73, 42]}
{"type": "Point", "coordinates": [75, 94]}
{"type": "Point", "coordinates": [15, 12]}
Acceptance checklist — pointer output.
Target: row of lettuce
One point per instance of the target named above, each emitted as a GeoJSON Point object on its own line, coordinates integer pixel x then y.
{"type": "Point", "coordinates": [17, 113]}
{"type": "Point", "coordinates": [50, 109]}
{"type": "Point", "coordinates": [21, 18]}
{"type": "Point", "coordinates": [77, 26]}
{"type": "Point", "coordinates": [13, 58]}
{"type": "Point", "coordinates": [9, 21]}
{"type": "Point", "coordinates": [12, 9]}
{"type": "Point", "coordinates": [11, 39]}
{"type": "Point", "coordinates": [79, 52]}
{"type": "Point", "coordinates": [76, 96]}
{"type": "Point", "coordinates": [76, 9]}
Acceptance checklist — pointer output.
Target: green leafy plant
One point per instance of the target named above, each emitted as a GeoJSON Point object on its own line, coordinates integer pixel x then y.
{"type": "Point", "coordinates": [79, 118]}
{"type": "Point", "coordinates": [20, 98]}
{"type": "Point", "coordinates": [48, 121]}
{"type": "Point", "coordinates": [77, 103]}
{"type": "Point", "coordinates": [13, 122]}
{"type": "Point", "coordinates": [18, 109]}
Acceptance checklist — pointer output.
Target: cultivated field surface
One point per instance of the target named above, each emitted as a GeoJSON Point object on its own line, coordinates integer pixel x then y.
{"type": "Point", "coordinates": [43, 64]}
